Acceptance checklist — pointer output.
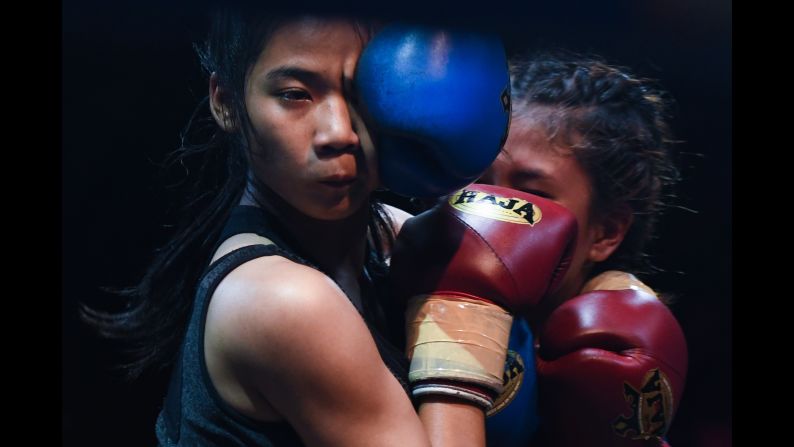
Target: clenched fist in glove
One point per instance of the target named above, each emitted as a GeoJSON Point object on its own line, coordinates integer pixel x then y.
{"type": "Point", "coordinates": [463, 268]}
{"type": "Point", "coordinates": [611, 366]}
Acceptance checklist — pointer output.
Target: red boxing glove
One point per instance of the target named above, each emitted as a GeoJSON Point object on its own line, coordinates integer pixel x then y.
{"type": "Point", "coordinates": [459, 264]}
{"type": "Point", "coordinates": [488, 242]}
{"type": "Point", "coordinates": [611, 368]}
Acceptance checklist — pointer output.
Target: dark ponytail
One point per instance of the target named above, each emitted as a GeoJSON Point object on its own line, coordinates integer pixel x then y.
{"type": "Point", "coordinates": [156, 310]}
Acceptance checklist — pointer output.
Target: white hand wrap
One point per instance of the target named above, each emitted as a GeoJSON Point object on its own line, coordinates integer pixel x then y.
{"type": "Point", "coordinates": [456, 339]}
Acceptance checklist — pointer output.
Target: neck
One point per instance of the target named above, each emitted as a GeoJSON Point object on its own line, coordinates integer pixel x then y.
{"type": "Point", "coordinates": [337, 246]}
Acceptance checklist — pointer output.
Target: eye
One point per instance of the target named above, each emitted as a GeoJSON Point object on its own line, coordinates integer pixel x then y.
{"type": "Point", "coordinates": [294, 95]}
{"type": "Point", "coordinates": [539, 193]}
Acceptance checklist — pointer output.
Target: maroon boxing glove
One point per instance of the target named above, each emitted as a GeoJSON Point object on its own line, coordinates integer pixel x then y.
{"type": "Point", "coordinates": [459, 266]}
{"type": "Point", "coordinates": [611, 368]}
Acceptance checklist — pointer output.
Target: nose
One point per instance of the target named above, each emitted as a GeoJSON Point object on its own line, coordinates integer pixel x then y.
{"type": "Point", "coordinates": [336, 128]}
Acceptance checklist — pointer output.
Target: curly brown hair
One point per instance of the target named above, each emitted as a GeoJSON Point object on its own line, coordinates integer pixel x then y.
{"type": "Point", "coordinates": [617, 125]}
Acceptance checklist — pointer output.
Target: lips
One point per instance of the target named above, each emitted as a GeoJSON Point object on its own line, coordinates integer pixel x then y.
{"type": "Point", "coordinates": [339, 181]}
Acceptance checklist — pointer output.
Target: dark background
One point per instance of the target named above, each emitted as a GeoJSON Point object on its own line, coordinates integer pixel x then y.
{"type": "Point", "coordinates": [130, 80]}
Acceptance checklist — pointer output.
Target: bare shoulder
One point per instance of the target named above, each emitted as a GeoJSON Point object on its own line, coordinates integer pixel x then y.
{"type": "Point", "coordinates": [289, 333]}
{"type": "Point", "coordinates": [273, 319]}
{"type": "Point", "coordinates": [269, 301]}
{"type": "Point", "coordinates": [398, 216]}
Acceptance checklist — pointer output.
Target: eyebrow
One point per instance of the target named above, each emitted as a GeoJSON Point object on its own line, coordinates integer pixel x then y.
{"type": "Point", "coordinates": [530, 174]}
{"type": "Point", "coordinates": [303, 75]}
{"type": "Point", "coordinates": [293, 72]}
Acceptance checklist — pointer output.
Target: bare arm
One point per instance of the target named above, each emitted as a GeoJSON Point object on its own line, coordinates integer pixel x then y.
{"type": "Point", "coordinates": [289, 332]}
{"type": "Point", "coordinates": [452, 422]}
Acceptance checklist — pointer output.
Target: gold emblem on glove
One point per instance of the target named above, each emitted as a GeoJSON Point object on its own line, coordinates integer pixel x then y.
{"type": "Point", "coordinates": [651, 407]}
{"type": "Point", "coordinates": [506, 209]}
{"type": "Point", "coordinates": [512, 379]}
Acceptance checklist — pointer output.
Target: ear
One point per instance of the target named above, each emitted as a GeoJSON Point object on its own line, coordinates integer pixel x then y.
{"type": "Point", "coordinates": [219, 105]}
{"type": "Point", "coordinates": [609, 233]}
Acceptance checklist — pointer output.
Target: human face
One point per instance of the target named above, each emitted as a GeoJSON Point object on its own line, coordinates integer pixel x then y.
{"type": "Point", "coordinates": [532, 162]}
{"type": "Point", "coordinates": [307, 141]}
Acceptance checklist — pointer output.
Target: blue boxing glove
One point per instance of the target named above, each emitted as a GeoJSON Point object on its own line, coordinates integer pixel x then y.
{"type": "Point", "coordinates": [437, 104]}
{"type": "Point", "coordinates": [513, 420]}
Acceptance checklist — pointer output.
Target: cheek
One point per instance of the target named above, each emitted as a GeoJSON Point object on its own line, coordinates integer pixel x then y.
{"type": "Point", "coordinates": [368, 155]}
{"type": "Point", "coordinates": [371, 161]}
{"type": "Point", "coordinates": [271, 122]}
{"type": "Point", "coordinates": [582, 244]}
{"type": "Point", "coordinates": [373, 180]}
{"type": "Point", "coordinates": [572, 203]}
{"type": "Point", "coordinates": [277, 145]}
{"type": "Point", "coordinates": [586, 235]}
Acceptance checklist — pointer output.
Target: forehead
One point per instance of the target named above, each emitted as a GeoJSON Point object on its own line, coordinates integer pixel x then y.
{"type": "Point", "coordinates": [312, 42]}
{"type": "Point", "coordinates": [534, 134]}
{"type": "Point", "coordinates": [536, 148]}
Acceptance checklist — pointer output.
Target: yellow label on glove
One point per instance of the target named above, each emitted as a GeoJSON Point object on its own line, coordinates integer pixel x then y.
{"type": "Point", "coordinates": [505, 209]}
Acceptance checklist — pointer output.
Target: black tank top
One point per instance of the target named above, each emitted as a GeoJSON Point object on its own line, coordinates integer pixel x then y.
{"type": "Point", "coordinates": [194, 414]}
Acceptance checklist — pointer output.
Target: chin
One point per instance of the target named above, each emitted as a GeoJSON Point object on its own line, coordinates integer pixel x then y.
{"type": "Point", "coordinates": [339, 211]}
{"type": "Point", "coordinates": [331, 215]}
